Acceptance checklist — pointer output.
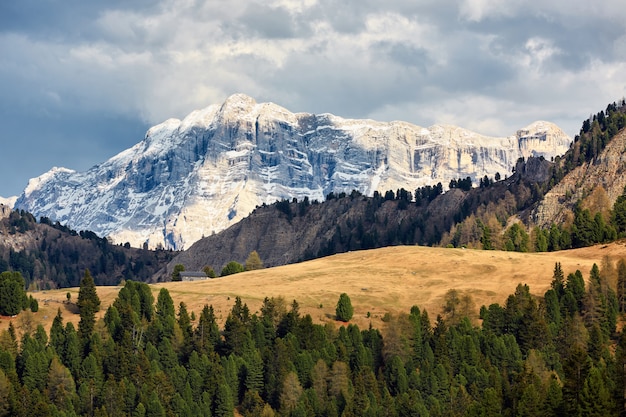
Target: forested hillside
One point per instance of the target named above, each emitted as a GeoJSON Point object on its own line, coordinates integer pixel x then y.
{"type": "Point", "coordinates": [484, 215]}
{"type": "Point", "coordinates": [49, 255]}
{"type": "Point", "coordinates": [557, 355]}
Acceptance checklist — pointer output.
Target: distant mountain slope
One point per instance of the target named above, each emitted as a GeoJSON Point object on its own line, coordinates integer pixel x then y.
{"type": "Point", "coordinates": [53, 256]}
{"type": "Point", "coordinates": [540, 193]}
{"type": "Point", "coordinates": [191, 178]}
{"type": "Point", "coordinates": [288, 232]}
{"type": "Point", "coordinates": [572, 198]}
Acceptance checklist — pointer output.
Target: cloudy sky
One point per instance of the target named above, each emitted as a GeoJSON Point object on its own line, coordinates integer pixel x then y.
{"type": "Point", "coordinates": [81, 81]}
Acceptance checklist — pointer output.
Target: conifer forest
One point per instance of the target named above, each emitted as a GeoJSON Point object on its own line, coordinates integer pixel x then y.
{"type": "Point", "coordinates": [562, 354]}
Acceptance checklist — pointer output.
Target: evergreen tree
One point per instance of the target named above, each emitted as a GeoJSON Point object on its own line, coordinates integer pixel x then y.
{"type": "Point", "coordinates": [232, 268]}
{"type": "Point", "coordinates": [516, 239]}
{"type": "Point", "coordinates": [558, 280]}
{"type": "Point", "coordinates": [89, 305]}
{"type": "Point", "coordinates": [207, 333]}
{"type": "Point", "coordinates": [485, 239]}
{"type": "Point", "coordinates": [209, 272]}
{"type": "Point", "coordinates": [165, 315]}
{"type": "Point", "coordinates": [541, 240]}
{"type": "Point", "coordinates": [575, 286]}
{"type": "Point", "coordinates": [154, 408]}
{"type": "Point", "coordinates": [253, 371]}
{"type": "Point", "coordinates": [12, 293]}
{"type": "Point", "coordinates": [344, 310]}
{"type": "Point", "coordinates": [184, 323]}
{"type": "Point", "coordinates": [57, 334]}
{"type": "Point", "coordinates": [72, 350]}
{"type": "Point", "coordinates": [576, 368]}
{"type": "Point", "coordinates": [223, 405]}
{"type": "Point", "coordinates": [178, 268]}
{"type": "Point", "coordinates": [595, 399]}
{"type": "Point", "coordinates": [618, 218]}
{"type": "Point", "coordinates": [621, 285]}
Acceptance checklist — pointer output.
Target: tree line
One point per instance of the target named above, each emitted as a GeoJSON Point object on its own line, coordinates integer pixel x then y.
{"type": "Point", "coordinates": [588, 226]}
{"type": "Point", "coordinates": [57, 256]}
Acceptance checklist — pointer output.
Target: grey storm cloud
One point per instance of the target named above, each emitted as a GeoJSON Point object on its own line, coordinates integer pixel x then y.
{"type": "Point", "coordinates": [82, 81]}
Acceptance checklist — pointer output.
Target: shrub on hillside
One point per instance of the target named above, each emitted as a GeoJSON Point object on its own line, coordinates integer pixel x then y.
{"type": "Point", "coordinates": [231, 268]}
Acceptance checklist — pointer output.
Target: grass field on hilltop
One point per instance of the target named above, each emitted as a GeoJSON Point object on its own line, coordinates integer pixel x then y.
{"type": "Point", "coordinates": [378, 281]}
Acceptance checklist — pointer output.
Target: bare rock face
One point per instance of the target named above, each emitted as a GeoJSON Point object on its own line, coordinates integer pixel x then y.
{"type": "Point", "coordinates": [5, 211]}
{"type": "Point", "coordinates": [192, 178]}
{"type": "Point", "coordinates": [607, 171]}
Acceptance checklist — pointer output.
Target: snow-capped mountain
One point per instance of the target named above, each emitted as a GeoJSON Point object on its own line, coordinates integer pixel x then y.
{"type": "Point", "coordinates": [195, 177]}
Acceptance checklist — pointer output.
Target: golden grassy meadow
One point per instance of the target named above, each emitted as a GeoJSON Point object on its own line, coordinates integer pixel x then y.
{"type": "Point", "coordinates": [379, 281]}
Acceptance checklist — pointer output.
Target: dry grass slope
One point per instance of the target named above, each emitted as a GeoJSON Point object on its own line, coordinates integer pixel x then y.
{"type": "Point", "coordinates": [379, 281]}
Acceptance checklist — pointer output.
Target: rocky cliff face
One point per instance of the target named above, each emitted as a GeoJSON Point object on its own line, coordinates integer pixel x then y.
{"type": "Point", "coordinates": [195, 177]}
{"type": "Point", "coordinates": [607, 171]}
{"type": "Point", "coordinates": [5, 211]}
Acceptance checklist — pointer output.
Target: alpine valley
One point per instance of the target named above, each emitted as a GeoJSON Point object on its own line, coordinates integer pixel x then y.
{"type": "Point", "coordinates": [193, 178]}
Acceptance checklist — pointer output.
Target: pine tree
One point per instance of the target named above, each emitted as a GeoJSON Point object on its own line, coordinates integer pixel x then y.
{"type": "Point", "coordinates": [621, 285]}
{"type": "Point", "coordinates": [154, 408]}
{"type": "Point", "coordinates": [71, 352]}
{"type": "Point", "coordinates": [344, 310]}
{"type": "Point", "coordinates": [595, 399]}
{"type": "Point", "coordinates": [253, 371]}
{"type": "Point", "coordinates": [12, 293]}
{"type": "Point", "coordinates": [57, 334]}
{"type": "Point", "coordinates": [207, 333]}
{"type": "Point", "coordinates": [558, 280]}
{"type": "Point", "coordinates": [165, 315]}
{"type": "Point", "coordinates": [223, 405]}
{"type": "Point", "coordinates": [178, 268]}
{"type": "Point", "coordinates": [89, 305]}
{"type": "Point", "coordinates": [619, 214]}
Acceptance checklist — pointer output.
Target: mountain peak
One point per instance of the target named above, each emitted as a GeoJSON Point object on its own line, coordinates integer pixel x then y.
{"type": "Point", "coordinates": [198, 176]}
{"type": "Point", "coordinates": [238, 103]}
{"type": "Point", "coordinates": [34, 184]}
{"type": "Point", "coordinates": [540, 138]}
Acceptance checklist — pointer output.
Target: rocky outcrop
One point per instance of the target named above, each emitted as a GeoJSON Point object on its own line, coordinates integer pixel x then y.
{"type": "Point", "coordinates": [192, 178]}
{"type": "Point", "coordinates": [5, 211]}
{"type": "Point", "coordinates": [608, 170]}
{"type": "Point", "coordinates": [8, 202]}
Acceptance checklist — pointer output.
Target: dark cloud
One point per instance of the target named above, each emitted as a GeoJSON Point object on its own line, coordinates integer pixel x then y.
{"type": "Point", "coordinates": [579, 39]}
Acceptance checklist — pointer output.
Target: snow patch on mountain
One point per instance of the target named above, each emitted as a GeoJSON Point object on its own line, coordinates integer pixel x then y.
{"type": "Point", "coordinates": [8, 201]}
{"type": "Point", "coordinates": [191, 178]}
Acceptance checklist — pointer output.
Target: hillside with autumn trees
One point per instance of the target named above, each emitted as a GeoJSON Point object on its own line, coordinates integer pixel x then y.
{"type": "Point", "coordinates": [560, 354]}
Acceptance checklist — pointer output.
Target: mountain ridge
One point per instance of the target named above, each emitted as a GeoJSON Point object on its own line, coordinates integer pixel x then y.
{"type": "Point", "coordinates": [194, 177]}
